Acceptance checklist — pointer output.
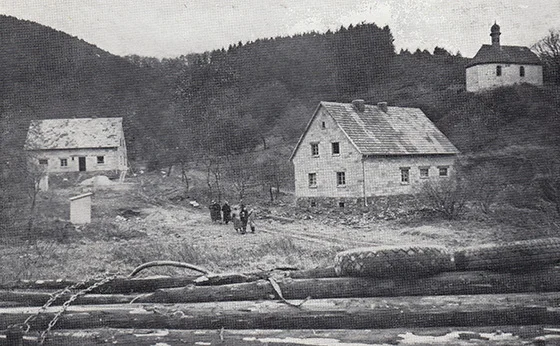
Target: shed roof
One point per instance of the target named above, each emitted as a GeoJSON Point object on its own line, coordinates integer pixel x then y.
{"type": "Point", "coordinates": [74, 133]}
{"type": "Point", "coordinates": [399, 131]}
{"type": "Point", "coordinates": [488, 54]}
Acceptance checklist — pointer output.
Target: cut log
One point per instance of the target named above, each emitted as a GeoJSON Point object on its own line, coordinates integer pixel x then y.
{"type": "Point", "coordinates": [390, 262]}
{"type": "Point", "coordinates": [355, 313]}
{"type": "Point", "coordinates": [453, 283]}
{"type": "Point", "coordinates": [515, 256]}
{"type": "Point", "coordinates": [40, 298]}
{"type": "Point", "coordinates": [142, 285]}
{"type": "Point", "coordinates": [501, 335]}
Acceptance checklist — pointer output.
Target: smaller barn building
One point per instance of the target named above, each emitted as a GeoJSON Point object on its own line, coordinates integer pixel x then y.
{"type": "Point", "coordinates": [77, 145]}
{"type": "Point", "coordinates": [354, 153]}
{"type": "Point", "coordinates": [497, 65]}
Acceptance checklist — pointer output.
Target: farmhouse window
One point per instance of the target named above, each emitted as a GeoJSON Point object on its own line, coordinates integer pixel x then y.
{"type": "Point", "coordinates": [498, 70]}
{"type": "Point", "coordinates": [341, 204]}
{"type": "Point", "coordinates": [312, 203]}
{"type": "Point", "coordinates": [424, 172]}
{"type": "Point", "coordinates": [314, 149]}
{"type": "Point", "coordinates": [443, 171]}
{"type": "Point", "coordinates": [335, 148]}
{"type": "Point", "coordinates": [43, 161]}
{"type": "Point", "coordinates": [312, 177]}
{"type": "Point", "coordinates": [63, 162]}
{"type": "Point", "coordinates": [341, 178]}
{"type": "Point", "coordinates": [405, 175]}
{"type": "Point", "coordinates": [100, 160]}
{"type": "Point", "coordinates": [521, 71]}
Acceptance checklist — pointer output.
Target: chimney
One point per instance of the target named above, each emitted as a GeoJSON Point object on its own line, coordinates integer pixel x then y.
{"type": "Point", "coordinates": [359, 105]}
{"type": "Point", "coordinates": [382, 106]}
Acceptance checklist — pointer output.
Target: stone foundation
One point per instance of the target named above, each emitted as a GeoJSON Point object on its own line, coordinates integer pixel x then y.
{"type": "Point", "coordinates": [374, 203]}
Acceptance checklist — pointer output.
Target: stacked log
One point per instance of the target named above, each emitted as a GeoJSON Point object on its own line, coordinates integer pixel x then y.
{"type": "Point", "coordinates": [479, 301]}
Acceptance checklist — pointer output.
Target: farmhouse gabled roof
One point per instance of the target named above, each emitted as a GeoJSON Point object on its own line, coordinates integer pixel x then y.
{"type": "Point", "coordinates": [488, 54]}
{"type": "Point", "coordinates": [399, 131]}
{"type": "Point", "coordinates": [74, 133]}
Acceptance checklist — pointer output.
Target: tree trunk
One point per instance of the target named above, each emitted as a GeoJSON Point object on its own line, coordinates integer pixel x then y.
{"type": "Point", "coordinates": [143, 285]}
{"type": "Point", "coordinates": [355, 313]}
{"type": "Point", "coordinates": [453, 283]}
{"type": "Point", "coordinates": [459, 336]}
{"type": "Point", "coordinates": [24, 298]}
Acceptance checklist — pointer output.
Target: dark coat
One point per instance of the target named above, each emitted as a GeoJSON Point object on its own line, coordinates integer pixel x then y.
{"type": "Point", "coordinates": [226, 210]}
{"type": "Point", "coordinates": [215, 213]}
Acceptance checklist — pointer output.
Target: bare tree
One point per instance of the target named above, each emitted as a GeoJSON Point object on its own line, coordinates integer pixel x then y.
{"type": "Point", "coordinates": [548, 49]}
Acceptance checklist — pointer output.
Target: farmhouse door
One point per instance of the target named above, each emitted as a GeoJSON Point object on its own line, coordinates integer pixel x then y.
{"type": "Point", "coordinates": [82, 164]}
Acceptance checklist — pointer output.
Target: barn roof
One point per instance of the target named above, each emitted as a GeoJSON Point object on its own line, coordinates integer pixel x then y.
{"type": "Point", "coordinates": [74, 133]}
{"type": "Point", "coordinates": [399, 131]}
{"type": "Point", "coordinates": [488, 54]}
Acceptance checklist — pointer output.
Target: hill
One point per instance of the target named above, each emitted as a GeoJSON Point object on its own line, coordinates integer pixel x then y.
{"type": "Point", "coordinates": [45, 73]}
{"type": "Point", "coordinates": [241, 109]}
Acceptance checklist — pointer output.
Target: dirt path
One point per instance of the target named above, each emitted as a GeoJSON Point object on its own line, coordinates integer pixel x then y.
{"type": "Point", "coordinates": [314, 236]}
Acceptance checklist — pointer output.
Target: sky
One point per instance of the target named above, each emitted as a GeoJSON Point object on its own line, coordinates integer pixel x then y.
{"type": "Point", "coordinates": [169, 28]}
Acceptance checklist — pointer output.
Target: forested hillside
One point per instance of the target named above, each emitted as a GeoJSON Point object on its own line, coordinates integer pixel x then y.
{"type": "Point", "coordinates": [253, 97]}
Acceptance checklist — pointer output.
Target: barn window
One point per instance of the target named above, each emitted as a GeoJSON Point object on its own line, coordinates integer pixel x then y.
{"type": "Point", "coordinates": [314, 149]}
{"type": "Point", "coordinates": [312, 178]}
{"type": "Point", "coordinates": [443, 171]}
{"type": "Point", "coordinates": [405, 175]}
{"type": "Point", "coordinates": [498, 70]}
{"type": "Point", "coordinates": [424, 172]}
{"type": "Point", "coordinates": [521, 71]}
{"type": "Point", "coordinates": [63, 162]}
{"type": "Point", "coordinates": [43, 161]}
{"type": "Point", "coordinates": [323, 125]}
{"type": "Point", "coordinates": [340, 178]}
{"type": "Point", "coordinates": [100, 160]}
{"type": "Point", "coordinates": [335, 148]}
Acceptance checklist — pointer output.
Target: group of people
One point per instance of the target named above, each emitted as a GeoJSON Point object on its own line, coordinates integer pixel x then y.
{"type": "Point", "coordinates": [240, 216]}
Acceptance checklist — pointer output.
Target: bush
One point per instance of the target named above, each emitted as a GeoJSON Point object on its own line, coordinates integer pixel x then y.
{"type": "Point", "coordinates": [447, 197]}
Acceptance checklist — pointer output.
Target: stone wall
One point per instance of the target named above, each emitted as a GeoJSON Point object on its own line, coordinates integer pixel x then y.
{"type": "Point", "coordinates": [375, 204]}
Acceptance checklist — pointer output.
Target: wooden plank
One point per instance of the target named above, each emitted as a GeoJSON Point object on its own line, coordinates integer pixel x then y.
{"type": "Point", "coordinates": [452, 283]}
{"type": "Point", "coordinates": [501, 335]}
{"type": "Point", "coordinates": [355, 313]}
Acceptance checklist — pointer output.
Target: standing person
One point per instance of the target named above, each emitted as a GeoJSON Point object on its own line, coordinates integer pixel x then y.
{"type": "Point", "coordinates": [244, 217]}
{"type": "Point", "coordinates": [212, 213]}
{"type": "Point", "coordinates": [252, 220]}
{"type": "Point", "coordinates": [226, 211]}
{"type": "Point", "coordinates": [215, 213]}
{"type": "Point", "coordinates": [236, 220]}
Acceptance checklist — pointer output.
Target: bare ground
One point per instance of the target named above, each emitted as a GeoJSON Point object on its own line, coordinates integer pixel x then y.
{"type": "Point", "coordinates": [131, 227]}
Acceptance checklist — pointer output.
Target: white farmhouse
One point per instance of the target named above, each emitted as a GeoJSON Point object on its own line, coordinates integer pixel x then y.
{"type": "Point", "coordinates": [354, 153]}
{"type": "Point", "coordinates": [497, 65]}
{"type": "Point", "coordinates": [77, 145]}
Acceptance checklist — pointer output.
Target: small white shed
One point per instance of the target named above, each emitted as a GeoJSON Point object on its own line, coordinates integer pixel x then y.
{"type": "Point", "coordinates": [80, 208]}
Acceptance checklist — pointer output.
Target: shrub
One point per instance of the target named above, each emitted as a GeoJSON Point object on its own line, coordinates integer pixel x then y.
{"type": "Point", "coordinates": [446, 197]}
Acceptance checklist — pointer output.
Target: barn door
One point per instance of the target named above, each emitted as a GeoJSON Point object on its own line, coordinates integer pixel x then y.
{"type": "Point", "coordinates": [82, 164]}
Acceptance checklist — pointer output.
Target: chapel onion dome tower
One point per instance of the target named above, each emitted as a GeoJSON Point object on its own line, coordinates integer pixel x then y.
{"type": "Point", "coordinates": [495, 34]}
